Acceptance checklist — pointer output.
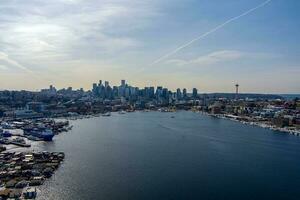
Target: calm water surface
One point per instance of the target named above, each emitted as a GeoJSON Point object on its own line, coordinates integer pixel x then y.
{"type": "Point", "coordinates": [149, 155]}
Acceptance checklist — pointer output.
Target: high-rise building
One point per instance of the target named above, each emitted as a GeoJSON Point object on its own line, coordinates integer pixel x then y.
{"type": "Point", "coordinates": [184, 93]}
{"type": "Point", "coordinates": [165, 93]}
{"type": "Point", "coordinates": [106, 84]}
{"type": "Point", "coordinates": [178, 94]}
{"type": "Point", "coordinates": [151, 92]}
{"type": "Point", "coordinates": [95, 89]}
{"type": "Point", "coordinates": [94, 86]}
{"type": "Point", "coordinates": [158, 92]}
{"type": "Point", "coordinates": [115, 92]}
{"type": "Point", "coordinates": [195, 93]}
{"type": "Point", "coordinates": [123, 83]}
{"type": "Point", "coordinates": [127, 92]}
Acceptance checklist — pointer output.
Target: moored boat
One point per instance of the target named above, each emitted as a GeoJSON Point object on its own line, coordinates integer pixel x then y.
{"type": "Point", "coordinates": [30, 193]}
{"type": "Point", "coordinates": [106, 114]}
{"type": "Point", "coordinates": [44, 134]}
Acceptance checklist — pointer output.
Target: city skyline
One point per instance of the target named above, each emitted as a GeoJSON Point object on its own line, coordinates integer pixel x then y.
{"type": "Point", "coordinates": [74, 42]}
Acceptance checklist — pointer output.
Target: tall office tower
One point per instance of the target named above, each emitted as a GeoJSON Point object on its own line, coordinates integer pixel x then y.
{"type": "Point", "coordinates": [100, 82]}
{"type": "Point", "coordinates": [115, 91]}
{"type": "Point", "coordinates": [158, 91]}
{"type": "Point", "coordinates": [151, 92]}
{"type": "Point", "coordinates": [147, 92]}
{"type": "Point", "coordinates": [178, 94]}
{"type": "Point", "coordinates": [106, 84]}
{"type": "Point", "coordinates": [95, 88]}
{"type": "Point", "coordinates": [195, 93]}
{"type": "Point", "coordinates": [165, 93]}
{"type": "Point", "coordinates": [123, 83]}
{"type": "Point", "coordinates": [184, 93]}
{"type": "Point", "coordinates": [127, 92]}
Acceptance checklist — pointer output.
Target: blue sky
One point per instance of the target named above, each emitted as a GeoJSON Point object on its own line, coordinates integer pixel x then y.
{"type": "Point", "coordinates": [77, 42]}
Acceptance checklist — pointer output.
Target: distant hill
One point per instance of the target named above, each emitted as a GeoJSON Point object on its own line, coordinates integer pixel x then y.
{"type": "Point", "coordinates": [244, 96]}
{"type": "Point", "coordinates": [290, 96]}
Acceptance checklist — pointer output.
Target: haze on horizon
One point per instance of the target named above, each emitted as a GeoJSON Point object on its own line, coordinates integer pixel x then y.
{"type": "Point", "coordinates": [77, 42]}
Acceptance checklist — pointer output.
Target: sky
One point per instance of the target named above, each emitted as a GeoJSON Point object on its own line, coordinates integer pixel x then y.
{"type": "Point", "coordinates": [206, 44]}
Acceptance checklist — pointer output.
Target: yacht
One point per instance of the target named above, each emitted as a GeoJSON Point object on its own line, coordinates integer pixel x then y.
{"type": "Point", "coordinates": [30, 193]}
{"type": "Point", "coordinates": [44, 134]}
{"type": "Point", "coordinates": [19, 140]}
{"type": "Point", "coordinates": [5, 133]}
{"type": "Point", "coordinates": [6, 125]}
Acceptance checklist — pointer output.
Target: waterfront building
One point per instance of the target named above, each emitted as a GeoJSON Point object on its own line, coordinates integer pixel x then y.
{"type": "Point", "coordinates": [35, 106]}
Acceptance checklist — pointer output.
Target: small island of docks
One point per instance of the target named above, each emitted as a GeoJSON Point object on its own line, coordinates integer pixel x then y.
{"type": "Point", "coordinates": [21, 172]}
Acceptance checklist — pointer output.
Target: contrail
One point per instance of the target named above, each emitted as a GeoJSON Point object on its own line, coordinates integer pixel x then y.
{"type": "Point", "coordinates": [209, 32]}
{"type": "Point", "coordinates": [5, 57]}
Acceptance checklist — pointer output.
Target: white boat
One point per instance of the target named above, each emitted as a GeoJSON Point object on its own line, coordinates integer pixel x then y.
{"type": "Point", "coordinates": [30, 193]}
{"type": "Point", "coordinates": [6, 125]}
{"type": "Point", "coordinates": [106, 114]}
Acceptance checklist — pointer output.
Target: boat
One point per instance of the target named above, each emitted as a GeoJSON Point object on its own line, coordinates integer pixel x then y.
{"type": "Point", "coordinates": [44, 134]}
{"type": "Point", "coordinates": [70, 128]}
{"type": "Point", "coordinates": [122, 112]}
{"type": "Point", "coordinates": [19, 140]}
{"type": "Point", "coordinates": [6, 125]}
{"type": "Point", "coordinates": [30, 193]}
{"type": "Point", "coordinates": [30, 137]}
{"type": "Point", "coordinates": [106, 114]}
{"type": "Point", "coordinates": [4, 141]}
{"type": "Point", "coordinates": [2, 148]}
{"type": "Point", "coordinates": [6, 134]}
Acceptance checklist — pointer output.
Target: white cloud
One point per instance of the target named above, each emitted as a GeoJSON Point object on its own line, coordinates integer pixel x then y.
{"type": "Point", "coordinates": [66, 29]}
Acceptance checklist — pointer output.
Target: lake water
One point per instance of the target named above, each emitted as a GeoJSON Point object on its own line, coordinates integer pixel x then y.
{"type": "Point", "coordinates": [150, 155]}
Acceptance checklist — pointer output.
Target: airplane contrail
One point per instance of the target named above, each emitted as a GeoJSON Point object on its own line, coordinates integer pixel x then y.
{"type": "Point", "coordinates": [5, 57]}
{"type": "Point", "coordinates": [209, 32]}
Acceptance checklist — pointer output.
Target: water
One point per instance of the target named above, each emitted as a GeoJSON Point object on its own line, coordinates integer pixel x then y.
{"type": "Point", "coordinates": [149, 155]}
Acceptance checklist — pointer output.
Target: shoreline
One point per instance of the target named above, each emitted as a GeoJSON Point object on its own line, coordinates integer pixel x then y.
{"type": "Point", "coordinates": [253, 123]}
{"type": "Point", "coordinates": [230, 117]}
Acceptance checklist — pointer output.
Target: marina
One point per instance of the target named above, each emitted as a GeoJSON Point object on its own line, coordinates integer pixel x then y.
{"type": "Point", "coordinates": [21, 172]}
